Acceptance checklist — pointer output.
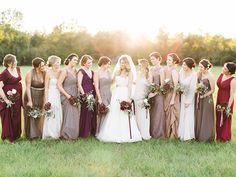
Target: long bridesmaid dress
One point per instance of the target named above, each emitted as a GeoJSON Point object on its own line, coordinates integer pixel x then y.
{"type": "Point", "coordinates": [87, 117]}
{"type": "Point", "coordinates": [223, 132]}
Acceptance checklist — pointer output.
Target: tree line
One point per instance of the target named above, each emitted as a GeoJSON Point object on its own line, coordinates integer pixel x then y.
{"type": "Point", "coordinates": [65, 39]}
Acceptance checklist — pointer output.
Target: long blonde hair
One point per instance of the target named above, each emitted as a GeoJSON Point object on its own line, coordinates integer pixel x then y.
{"type": "Point", "coordinates": [144, 62]}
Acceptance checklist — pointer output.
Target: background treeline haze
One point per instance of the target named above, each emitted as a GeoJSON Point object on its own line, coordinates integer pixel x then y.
{"type": "Point", "coordinates": [65, 39]}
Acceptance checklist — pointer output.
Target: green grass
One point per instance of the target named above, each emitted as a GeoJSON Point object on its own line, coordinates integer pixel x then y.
{"type": "Point", "coordinates": [89, 157]}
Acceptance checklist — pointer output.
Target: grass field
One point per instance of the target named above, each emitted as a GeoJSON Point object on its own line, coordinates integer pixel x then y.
{"type": "Point", "coordinates": [89, 157]}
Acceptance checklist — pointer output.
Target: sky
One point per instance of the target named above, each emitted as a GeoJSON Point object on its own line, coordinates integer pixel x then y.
{"type": "Point", "coordinates": [137, 17]}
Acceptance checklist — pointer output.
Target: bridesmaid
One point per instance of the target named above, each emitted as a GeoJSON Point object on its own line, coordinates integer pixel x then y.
{"type": "Point", "coordinates": [188, 79]}
{"type": "Point", "coordinates": [141, 113]}
{"type": "Point", "coordinates": [102, 82]}
{"type": "Point", "coordinates": [204, 107]}
{"type": "Point", "coordinates": [85, 83]}
{"type": "Point", "coordinates": [171, 101]}
{"type": "Point", "coordinates": [52, 123]}
{"type": "Point", "coordinates": [34, 98]}
{"type": "Point", "coordinates": [226, 83]}
{"type": "Point", "coordinates": [157, 115]}
{"type": "Point", "coordinates": [67, 84]}
{"type": "Point", "coordinates": [10, 108]}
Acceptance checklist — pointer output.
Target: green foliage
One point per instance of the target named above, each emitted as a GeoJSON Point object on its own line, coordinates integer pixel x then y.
{"type": "Point", "coordinates": [68, 38]}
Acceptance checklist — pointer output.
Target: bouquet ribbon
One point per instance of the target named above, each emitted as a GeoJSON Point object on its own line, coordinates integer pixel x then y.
{"type": "Point", "coordinates": [221, 118]}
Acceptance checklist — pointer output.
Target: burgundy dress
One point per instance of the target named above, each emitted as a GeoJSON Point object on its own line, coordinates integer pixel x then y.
{"type": "Point", "coordinates": [11, 117]}
{"type": "Point", "coordinates": [223, 132]}
{"type": "Point", "coordinates": [87, 117]}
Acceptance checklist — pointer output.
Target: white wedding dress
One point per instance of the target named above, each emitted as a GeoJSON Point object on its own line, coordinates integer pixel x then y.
{"type": "Point", "coordinates": [52, 124]}
{"type": "Point", "coordinates": [115, 127]}
{"type": "Point", "coordinates": [186, 123]}
{"type": "Point", "coordinates": [142, 115]}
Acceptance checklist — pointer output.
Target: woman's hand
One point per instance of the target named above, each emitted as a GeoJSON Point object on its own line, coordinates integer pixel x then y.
{"type": "Point", "coordinates": [99, 101]}
{"type": "Point", "coordinates": [172, 102]}
{"type": "Point", "coordinates": [30, 104]}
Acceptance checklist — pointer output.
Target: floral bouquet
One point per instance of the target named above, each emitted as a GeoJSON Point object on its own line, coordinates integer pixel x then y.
{"type": "Point", "coordinates": [11, 95]}
{"type": "Point", "coordinates": [102, 108]}
{"type": "Point", "coordinates": [167, 87]}
{"type": "Point", "coordinates": [73, 100]}
{"type": "Point", "coordinates": [35, 113]}
{"type": "Point", "coordinates": [146, 103]}
{"type": "Point", "coordinates": [90, 100]}
{"type": "Point", "coordinates": [223, 109]}
{"type": "Point", "coordinates": [48, 110]}
{"type": "Point", "coordinates": [127, 107]}
{"type": "Point", "coordinates": [201, 88]}
{"type": "Point", "coordinates": [181, 89]}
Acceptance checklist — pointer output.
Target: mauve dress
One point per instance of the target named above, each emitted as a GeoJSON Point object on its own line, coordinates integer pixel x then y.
{"type": "Point", "coordinates": [105, 92]}
{"type": "Point", "coordinates": [33, 127]}
{"type": "Point", "coordinates": [71, 114]}
{"type": "Point", "coordinates": [88, 120]}
{"type": "Point", "coordinates": [223, 133]}
{"type": "Point", "coordinates": [11, 117]}
{"type": "Point", "coordinates": [172, 113]}
{"type": "Point", "coordinates": [157, 115]}
{"type": "Point", "coordinates": [204, 115]}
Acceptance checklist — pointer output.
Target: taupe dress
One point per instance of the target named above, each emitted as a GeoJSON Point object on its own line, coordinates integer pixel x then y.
{"type": "Point", "coordinates": [33, 127]}
{"type": "Point", "coordinates": [157, 115]}
{"type": "Point", "coordinates": [204, 115]}
{"type": "Point", "coordinates": [172, 113]}
{"type": "Point", "coordinates": [105, 92]}
{"type": "Point", "coordinates": [71, 114]}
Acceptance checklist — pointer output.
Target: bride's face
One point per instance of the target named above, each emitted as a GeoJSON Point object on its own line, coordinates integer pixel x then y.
{"type": "Point", "coordinates": [122, 64]}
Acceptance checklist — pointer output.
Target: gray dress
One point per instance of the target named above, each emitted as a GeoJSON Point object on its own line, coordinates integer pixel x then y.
{"type": "Point", "coordinates": [71, 114]}
{"type": "Point", "coordinates": [157, 115]}
{"type": "Point", "coordinates": [105, 92]}
{"type": "Point", "coordinates": [204, 115]}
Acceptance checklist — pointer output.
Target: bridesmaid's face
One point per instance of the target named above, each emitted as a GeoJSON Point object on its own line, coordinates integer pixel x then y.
{"type": "Point", "coordinates": [154, 60]}
{"type": "Point", "coordinates": [57, 64]}
{"type": "Point", "coordinates": [169, 61]}
{"type": "Point", "coordinates": [89, 63]}
{"type": "Point", "coordinates": [13, 64]}
{"type": "Point", "coordinates": [202, 69]}
{"type": "Point", "coordinates": [42, 66]}
{"type": "Point", "coordinates": [225, 70]}
{"type": "Point", "coordinates": [185, 67]}
{"type": "Point", "coordinates": [107, 66]}
{"type": "Point", "coordinates": [74, 61]}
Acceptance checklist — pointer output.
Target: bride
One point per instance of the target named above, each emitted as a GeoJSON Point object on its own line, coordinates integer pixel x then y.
{"type": "Point", "coordinates": [116, 126]}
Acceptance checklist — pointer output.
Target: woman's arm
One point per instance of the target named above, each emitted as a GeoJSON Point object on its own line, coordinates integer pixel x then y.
{"type": "Point", "coordinates": [192, 90]}
{"type": "Point", "coordinates": [130, 85]}
{"type": "Point", "coordinates": [96, 85]}
{"type": "Point", "coordinates": [47, 78]}
{"type": "Point", "coordinates": [28, 85]}
{"type": "Point", "coordinates": [212, 84]}
{"type": "Point", "coordinates": [60, 81]}
{"type": "Point", "coordinates": [175, 77]}
{"type": "Point", "coordinates": [80, 78]}
{"type": "Point", "coordinates": [232, 91]}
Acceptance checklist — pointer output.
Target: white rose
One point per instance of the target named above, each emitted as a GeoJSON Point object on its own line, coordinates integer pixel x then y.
{"type": "Point", "coordinates": [9, 92]}
{"type": "Point", "coordinates": [13, 91]}
{"type": "Point", "coordinates": [167, 80]}
{"type": "Point", "coordinates": [90, 97]}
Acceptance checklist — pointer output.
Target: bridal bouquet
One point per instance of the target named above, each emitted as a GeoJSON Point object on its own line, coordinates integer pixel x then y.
{"type": "Point", "coordinates": [127, 107]}
{"type": "Point", "coordinates": [201, 88]}
{"type": "Point", "coordinates": [167, 87]}
{"type": "Point", "coordinates": [35, 113]}
{"type": "Point", "coordinates": [223, 109]}
{"type": "Point", "coordinates": [48, 110]}
{"type": "Point", "coordinates": [102, 108]}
